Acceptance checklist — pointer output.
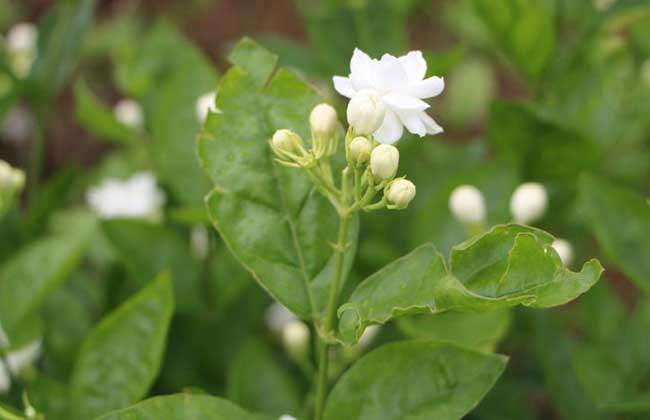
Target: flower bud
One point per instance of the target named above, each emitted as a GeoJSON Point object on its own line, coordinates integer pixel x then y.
{"type": "Point", "coordinates": [323, 120]}
{"type": "Point", "coordinates": [22, 37]}
{"type": "Point", "coordinates": [366, 112]}
{"type": "Point", "coordinates": [129, 113]}
{"type": "Point", "coordinates": [564, 250]}
{"type": "Point", "coordinates": [467, 205]}
{"type": "Point", "coordinates": [360, 149]}
{"type": "Point", "coordinates": [204, 105]}
{"type": "Point", "coordinates": [286, 141]}
{"type": "Point", "coordinates": [528, 202]}
{"type": "Point", "coordinates": [368, 336]}
{"type": "Point", "coordinates": [400, 193]}
{"type": "Point", "coordinates": [295, 337]}
{"type": "Point", "coordinates": [384, 161]}
{"type": "Point", "coordinates": [11, 179]}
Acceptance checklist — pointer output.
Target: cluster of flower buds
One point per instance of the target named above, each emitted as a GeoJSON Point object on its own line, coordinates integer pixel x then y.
{"type": "Point", "coordinates": [12, 181]}
{"type": "Point", "coordinates": [374, 165]}
{"type": "Point", "coordinates": [21, 47]}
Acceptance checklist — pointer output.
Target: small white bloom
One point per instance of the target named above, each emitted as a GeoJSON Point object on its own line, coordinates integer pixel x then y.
{"type": "Point", "coordinates": [323, 120]}
{"type": "Point", "coordinates": [295, 337]}
{"type": "Point", "coordinates": [205, 104]}
{"type": "Point", "coordinates": [360, 149]}
{"type": "Point", "coordinates": [368, 335]}
{"type": "Point", "coordinates": [528, 202]}
{"type": "Point", "coordinates": [136, 197]}
{"type": "Point", "coordinates": [564, 250]}
{"type": "Point", "coordinates": [384, 161]}
{"type": "Point", "coordinates": [129, 113]}
{"type": "Point", "coordinates": [277, 316]}
{"type": "Point", "coordinates": [287, 417]}
{"type": "Point", "coordinates": [16, 361]}
{"type": "Point", "coordinates": [22, 37]}
{"type": "Point", "coordinates": [467, 205]}
{"type": "Point", "coordinates": [366, 112]}
{"type": "Point", "coordinates": [401, 85]}
{"type": "Point", "coordinates": [400, 193]}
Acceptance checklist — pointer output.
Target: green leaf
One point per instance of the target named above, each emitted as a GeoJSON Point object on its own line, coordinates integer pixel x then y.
{"type": "Point", "coordinates": [254, 375]}
{"type": "Point", "coordinates": [271, 217]}
{"type": "Point", "coordinates": [258, 62]}
{"type": "Point", "coordinates": [523, 29]}
{"type": "Point", "coordinates": [62, 39]}
{"type": "Point", "coordinates": [133, 239]}
{"type": "Point", "coordinates": [616, 372]}
{"type": "Point", "coordinates": [414, 380]}
{"type": "Point", "coordinates": [620, 219]}
{"type": "Point", "coordinates": [31, 275]}
{"type": "Point", "coordinates": [182, 407]}
{"type": "Point", "coordinates": [121, 357]}
{"type": "Point", "coordinates": [506, 266]}
{"type": "Point", "coordinates": [99, 119]}
{"type": "Point", "coordinates": [481, 330]}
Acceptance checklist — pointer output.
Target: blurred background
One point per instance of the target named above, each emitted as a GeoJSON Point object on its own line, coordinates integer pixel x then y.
{"type": "Point", "coordinates": [548, 91]}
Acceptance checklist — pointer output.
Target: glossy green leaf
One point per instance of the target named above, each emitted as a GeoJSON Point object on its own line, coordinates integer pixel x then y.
{"type": "Point", "coordinates": [506, 266]}
{"type": "Point", "coordinates": [258, 62]}
{"type": "Point", "coordinates": [478, 330]}
{"type": "Point", "coordinates": [416, 380]}
{"type": "Point", "coordinates": [271, 217]}
{"type": "Point", "coordinates": [182, 407]}
{"type": "Point", "coordinates": [620, 218]}
{"type": "Point", "coordinates": [98, 118]}
{"type": "Point", "coordinates": [121, 357]}
{"type": "Point", "coordinates": [523, 29]}
{"type": "Point", "coordinates": [133, 240]}
{"type": "Point", "coordinates": [32, 274]}
{"type": "Point", "coordinates": [254, 375]}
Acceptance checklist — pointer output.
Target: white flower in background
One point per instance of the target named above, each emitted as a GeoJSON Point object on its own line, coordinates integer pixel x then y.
{"type": "Point", "coordinates": [564, 250]}
{"type": "Point", "coordinates": [295, 337]}
{"type": "Point", "coordinates": [401, 85]}
{"type": "Point", "coordinates": [384, 161]}
{"type": "Point", "coordinates": [18, 124]}
{"type": "Point", "coordinates": [136, 197]}
{"type": "Point", "coordinates": [129, 113]}
{"type": "Point", "coordinates": [22, 37]}
{"type": "Point", "coordinates": [368, 336]}
{"type": "Point", "coordinates": [204, 105]}
{"type": "Point", "coordinates": [528, 202]}
{"type": "Point", "coordinates": [277, 317]}
{"type": "Point", "coordinates": [16, 361]}
{"type": "Point", "coordinates": [200, 239]}
{"type": "Point", "coordinates": [287, 417]}
{"type": "Point", "coordinates": [467, 205]}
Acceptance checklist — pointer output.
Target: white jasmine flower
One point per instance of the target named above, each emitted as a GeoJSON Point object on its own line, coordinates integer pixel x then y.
{"type": "Point", "coordinates": [528, 202]}
{"type": "Point", "coordinates": [467, 205]}
{"type": "Point", "coordinates": [366, 112]}
{"type": "Point", "coordinates": [136, 197]}
{"type": "Point", "coordinates": [22, 37]}
{"type": "Point", "coordinates": [205, 104]}
{"type": "Point", "coordinates": [564, 250]}
{"type": "Point", "coordinates": [295, 337]}
{"type": "Point", "coordinates": [401, 85]}
{"type": "Point", "coordinates": [384, 161]}
{"type": "Point", "coordinates": [287, 417]}
{"type": "Point", "coordinates": [368, 335]}
{"type": "Point", "coordinates": [400, 193]}
{"type": "Point", "coordinates": [129, 113]}
{"type": "Point", "coordinates": [16, 361]}
{"type": "Point", "coordinates": [277, 316]}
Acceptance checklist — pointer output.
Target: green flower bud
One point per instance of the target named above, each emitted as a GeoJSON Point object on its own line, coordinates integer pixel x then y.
{"type": "Point", "coordinates": [400, 193]}
{"type": "Point", "coordinates": [384, 161]}
{"type": "Point", "coordinates": [360, 149]}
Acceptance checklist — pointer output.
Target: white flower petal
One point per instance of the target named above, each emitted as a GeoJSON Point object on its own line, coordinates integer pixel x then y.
{"type": "Point", "coordinates": [391, 130]}
{"type": "Point", "coordinates": [390, 75]}
{"type": "Point", "coordinates": [412, 120]}
{"type": "Point", "coordinates": [427, 88]}
{"type": "Point", "coordinates": [343, 85]}
{"type": "Point", "coordinates": [432, 127]}
{"type": "Point", "coordinates": [361, 70]}
{"type": "Point", "coordinates": [400, 101]}
{"type": "Point", "coordinates": [415, 66]}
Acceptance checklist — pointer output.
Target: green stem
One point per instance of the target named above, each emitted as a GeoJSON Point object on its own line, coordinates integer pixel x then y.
{"type": "Point", "coordinates": [328, 325]}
